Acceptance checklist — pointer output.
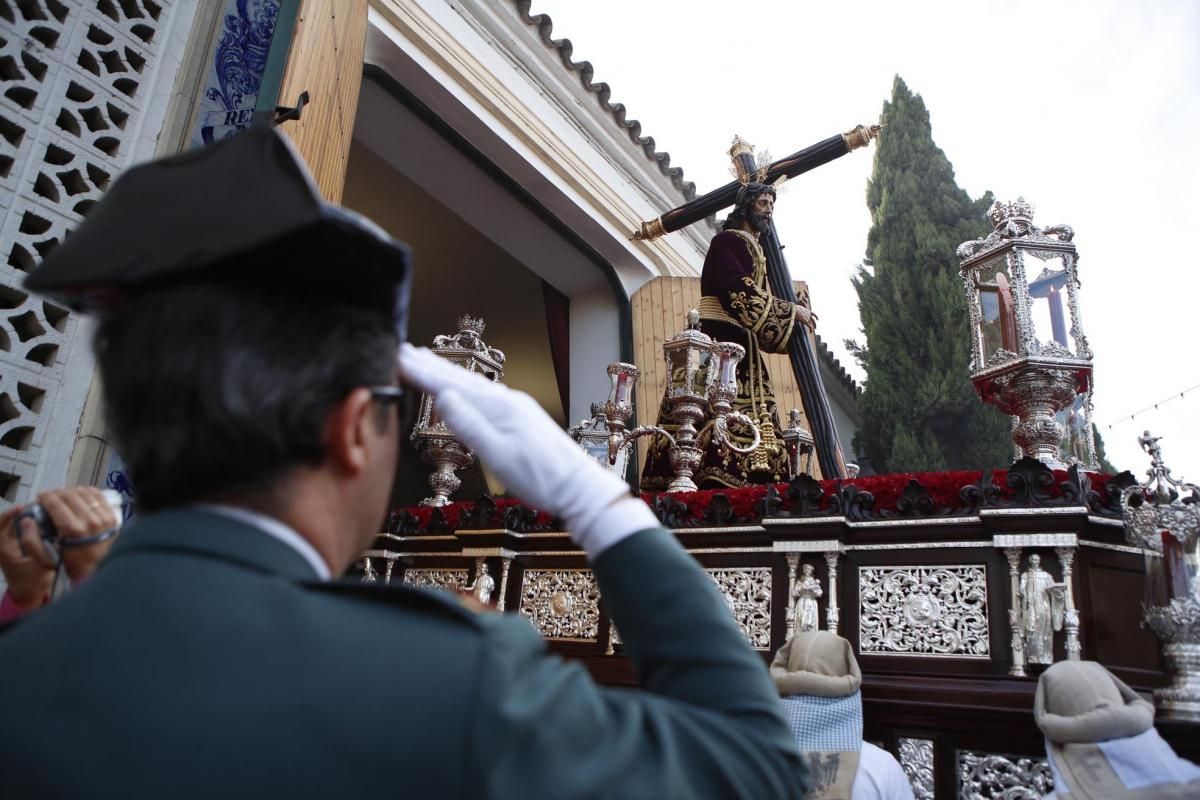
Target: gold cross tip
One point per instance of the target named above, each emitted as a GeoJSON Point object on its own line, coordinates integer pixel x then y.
{"type": "Point", "coordinates": [861, 136]}
{"type": "Point", "coordinates": [740, 147]}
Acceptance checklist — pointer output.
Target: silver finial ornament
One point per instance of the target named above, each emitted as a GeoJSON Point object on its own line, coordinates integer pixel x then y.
{"type": "Point", "coordinates": [1162, 517]}
{"type": "Point", "coordinates": [431, 436]}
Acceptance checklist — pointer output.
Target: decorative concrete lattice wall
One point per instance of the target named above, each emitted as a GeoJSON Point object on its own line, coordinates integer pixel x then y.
{"type": "Point", "coordinates": [75, 96]}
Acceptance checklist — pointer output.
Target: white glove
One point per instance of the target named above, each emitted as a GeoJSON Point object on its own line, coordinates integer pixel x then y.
{"type": "Point", "coordinates": [527, 450]}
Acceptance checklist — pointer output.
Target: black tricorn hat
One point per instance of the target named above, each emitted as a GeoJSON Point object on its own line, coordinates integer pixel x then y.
{"type": "Point", "coordinates": [244, 209]}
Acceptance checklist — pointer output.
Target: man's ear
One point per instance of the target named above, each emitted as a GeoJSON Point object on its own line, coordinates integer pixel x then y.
{"type": "Point", "coordinates": [347, 431]}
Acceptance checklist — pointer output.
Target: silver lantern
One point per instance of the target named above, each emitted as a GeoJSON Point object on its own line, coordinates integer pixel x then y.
{"type": "Point", "coordinates": [593, 435]}
{"type": "Point", "coordinates": [1029, 356]}
{"type": "Point", "coordinates": [801, 447]}
{"type": "Point", "coordinates": [1162, 517]}
{"type": "Point", "coordinates": [433, 439]}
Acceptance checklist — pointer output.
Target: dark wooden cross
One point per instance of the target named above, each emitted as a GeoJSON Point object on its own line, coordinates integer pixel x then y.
{"type": "Point", "coordinates": [800, 349]}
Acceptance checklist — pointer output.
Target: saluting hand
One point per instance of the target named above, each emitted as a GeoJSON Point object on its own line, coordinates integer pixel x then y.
{"type": "Point", "coordinates": [523, 446]}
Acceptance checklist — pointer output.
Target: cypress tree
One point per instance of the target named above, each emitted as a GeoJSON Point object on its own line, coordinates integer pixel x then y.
{"type": "Point", "coordinates": [1102, 459]}
{"type": "Point", "coordinates": [919, 410]}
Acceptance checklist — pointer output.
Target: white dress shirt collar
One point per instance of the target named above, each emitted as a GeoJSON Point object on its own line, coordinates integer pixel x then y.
{"type": "Point", "coordinates": [276, 530]}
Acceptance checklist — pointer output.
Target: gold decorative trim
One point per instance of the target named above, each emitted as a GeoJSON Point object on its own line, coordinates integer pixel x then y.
{"type": "Point", "coordinates": [741, 147]}
{"type": "Point", "coordinates": [649, 230]}
{"type": "Point", "coordinates": [860, 136]}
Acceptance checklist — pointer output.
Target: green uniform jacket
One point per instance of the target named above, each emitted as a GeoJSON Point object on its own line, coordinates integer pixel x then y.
{"type": "Point", "coordinates": [204, 659]}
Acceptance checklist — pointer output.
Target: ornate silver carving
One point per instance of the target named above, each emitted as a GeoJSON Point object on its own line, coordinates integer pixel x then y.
{"type": "Point", "coordinates": [914, 545]}
{"type": "Point", "coordinates": [805, 594]}
{"type": "Point", "coordinates": [1066, 558]}
{"type": "Point", "coordinates": [800, 446]}
{"type": "Point", "coordinates": [1008, 540]}
{"type": "Point", "coordinates": [1035, 393]}
{"type": "Point", "coordinates": [1017, 641]}
{"type": "Point", "coordinates": [924, 610]}
{"type": "Point", "coordinates": [805, 545]}
{"type": "Point", "coordinates": [793, 561]}
{"type": "Point", "coordinates": [916, 759]}
{"type": "Point", "coordinates": [562, 604]}
{"type": "Point", "coordinates": [369, 574]}
{"type": "Point", "coordinates": [484, 584]}
{"type": "Point", "coordinates": [1041, 612]}
{"type": "Point", "coordinates": [831, 602]}
{"type": "Point", "coordinates": [592, 435]}
{"type": "Point", "coordinates": [431, 436]}
{"type": "Point", "coordinates": [505, 566]}
{"type": "Point", "coordinates": [747, 591]}
{"type": "Point", "coordinates": [1167, 528]}
{"type": "Point", "coordinates": [614, 638]}
{"type": "Point", "coordinates": [992, 776]}
{"type": "Point", "coordinates": [449, 579]}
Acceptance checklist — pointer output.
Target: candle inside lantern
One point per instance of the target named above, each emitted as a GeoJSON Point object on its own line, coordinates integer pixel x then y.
{"type": "Point", "coordinates": [728, 369]}
{"type": "Point", "coordinates": [1058, 325]}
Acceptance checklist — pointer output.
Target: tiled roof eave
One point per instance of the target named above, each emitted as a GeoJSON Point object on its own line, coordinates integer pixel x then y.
{"type": "Point", "coordinates": [603, 93]}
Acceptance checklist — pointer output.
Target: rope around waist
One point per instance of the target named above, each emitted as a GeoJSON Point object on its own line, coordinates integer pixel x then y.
{"type": "Point", "coordinates": [710, 308]}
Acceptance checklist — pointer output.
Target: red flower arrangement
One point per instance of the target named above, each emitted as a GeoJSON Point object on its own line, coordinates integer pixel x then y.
{"type": "Point", "coordinates": [943, 489]}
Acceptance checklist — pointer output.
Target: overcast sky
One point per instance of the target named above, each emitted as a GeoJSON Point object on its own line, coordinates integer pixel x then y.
{"type": "Point", "coordinates": [1091, 111]}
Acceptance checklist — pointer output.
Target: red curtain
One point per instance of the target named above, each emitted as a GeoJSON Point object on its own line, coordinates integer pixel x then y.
{"type": "Point", "coordinates": [558, 326]}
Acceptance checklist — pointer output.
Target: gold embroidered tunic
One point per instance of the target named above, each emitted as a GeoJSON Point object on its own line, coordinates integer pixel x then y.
{"type": "Point", "coordinates": [737, 306]}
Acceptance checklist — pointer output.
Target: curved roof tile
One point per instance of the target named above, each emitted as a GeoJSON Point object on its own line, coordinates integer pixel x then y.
{"type": "Point", "coordinates": [603, 92]}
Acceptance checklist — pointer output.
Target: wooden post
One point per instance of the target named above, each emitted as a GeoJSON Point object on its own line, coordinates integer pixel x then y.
{"type": "Point", "coordinates": [325, 60]}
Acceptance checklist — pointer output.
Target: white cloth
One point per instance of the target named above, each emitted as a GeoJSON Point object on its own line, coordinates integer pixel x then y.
{"type": "Point", "coordinates": [1140, 762]}
{"type": "Point", "coordinates": [879, 776]}
{"type": "Point", "coordinates": [276, 530]}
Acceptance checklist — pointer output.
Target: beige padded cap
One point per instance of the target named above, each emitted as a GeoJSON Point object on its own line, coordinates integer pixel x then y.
{"type": "Point", "coordinates": [1081, 701]}
{"type": "Point", "coordinates": [817, 663]}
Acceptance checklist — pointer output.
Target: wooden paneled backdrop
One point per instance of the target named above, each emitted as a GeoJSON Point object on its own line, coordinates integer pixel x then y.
{"type": "Point", "coordinates": [659, 311]}
{"type": "Point", "coordinates": [326, 60]}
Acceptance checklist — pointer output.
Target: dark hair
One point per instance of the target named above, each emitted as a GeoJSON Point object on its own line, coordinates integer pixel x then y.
{"type": "Point", "coordinates": [745, 204]}
{"type": "Point", "coordinates": [219, 390]}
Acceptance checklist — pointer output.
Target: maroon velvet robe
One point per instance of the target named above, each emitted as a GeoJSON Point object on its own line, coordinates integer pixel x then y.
{"type": "Point", "coordinates": [737, 306]}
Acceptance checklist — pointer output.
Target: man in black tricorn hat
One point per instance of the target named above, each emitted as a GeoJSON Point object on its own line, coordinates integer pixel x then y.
{"type": "Point", "coordinates": [737, 305]}
{"type": "Point", "coordinates": [246, 342]}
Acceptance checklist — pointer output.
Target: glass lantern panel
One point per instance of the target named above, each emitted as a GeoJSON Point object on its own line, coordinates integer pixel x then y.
{"type": "Point", "coordinates": [995, 304]}
{"type": "Point", "coordinates": [1048, 306]}
{"type": "Point", "coordinates": [727, 374]}
{"type": "Point", "coordinates": [1176, 575]}
{"type": "Point", "coordinates": [1075, 423]}
{"type": "Point", "coordinates": [700, 376]}
{"type": "Point", "coordinates": [622, 387]}
{"type": "Point", "coordinates": [687, 377]}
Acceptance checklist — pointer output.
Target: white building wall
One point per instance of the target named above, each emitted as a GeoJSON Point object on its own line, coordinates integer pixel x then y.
{"type": "Point", "coordinates": [84, 87]}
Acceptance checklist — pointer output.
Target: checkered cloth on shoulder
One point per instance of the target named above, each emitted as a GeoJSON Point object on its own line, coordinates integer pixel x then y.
{"type": "Point", "coordinates": [825, 723]}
